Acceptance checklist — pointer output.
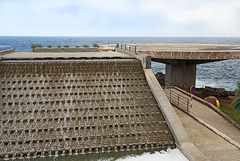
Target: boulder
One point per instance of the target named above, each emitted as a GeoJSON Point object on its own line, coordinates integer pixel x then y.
{"type": "Point", "coordinates": [161, 78]}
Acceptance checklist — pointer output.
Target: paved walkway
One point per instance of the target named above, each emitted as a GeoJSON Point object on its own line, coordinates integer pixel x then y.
{"type": "Point", "coordinates": [54, 55]}
{"type": "Point", "coordinates": [209, 143]}
{"type": "Point", "coordinates": [213, 119]}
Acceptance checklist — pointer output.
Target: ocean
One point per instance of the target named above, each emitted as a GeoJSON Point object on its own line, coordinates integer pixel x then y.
{"type": "Point", "coordinates": [223, 74]}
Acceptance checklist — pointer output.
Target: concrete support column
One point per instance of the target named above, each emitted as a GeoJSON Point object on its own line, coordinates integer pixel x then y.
{"type": "Point", "coordinates": [182, 75]}
{"type": "Point", "coordinates": [145, 59]}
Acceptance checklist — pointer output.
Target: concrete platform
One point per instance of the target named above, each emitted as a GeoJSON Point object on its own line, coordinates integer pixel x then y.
{"type": "Point", "coordinates": [63, 55]}
{"type": "Point", "coordinates": [187, 47]}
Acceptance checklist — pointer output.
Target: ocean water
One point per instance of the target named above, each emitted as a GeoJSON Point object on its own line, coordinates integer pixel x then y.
{"type": "Point", "coordinates": [224, 74]}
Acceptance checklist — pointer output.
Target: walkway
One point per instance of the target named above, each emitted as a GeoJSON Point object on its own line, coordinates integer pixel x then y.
{"type": "Point", "coordinates": [64, 55]}
{"type": "Point", "coordinates": [210, 144]}
{"type": "Point", "coordinates": [213, 120]}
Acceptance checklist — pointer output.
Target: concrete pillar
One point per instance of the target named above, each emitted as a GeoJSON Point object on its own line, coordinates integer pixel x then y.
{"type": "Point", "coordinates": [182, 75]}
{"type": "Point", "coordinates": [145, 59]}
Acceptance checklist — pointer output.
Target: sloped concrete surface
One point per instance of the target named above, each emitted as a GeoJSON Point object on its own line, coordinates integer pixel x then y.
{"type": "Point", "coordinates": [211, 145]}
{"type": "Point", "coordinates": [181, 137]}
{"type": "Point", "coordinates": [212, 118]}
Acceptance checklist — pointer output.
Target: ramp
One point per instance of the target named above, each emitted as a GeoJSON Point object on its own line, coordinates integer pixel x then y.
{"type": "Point", "coordinates": [210, 117]}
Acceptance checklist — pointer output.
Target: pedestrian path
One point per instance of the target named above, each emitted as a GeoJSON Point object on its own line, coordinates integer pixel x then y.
{"type": "Point", "coordinates": [211, 119]}
{"type": "Point", "coordinates": [214, 147]}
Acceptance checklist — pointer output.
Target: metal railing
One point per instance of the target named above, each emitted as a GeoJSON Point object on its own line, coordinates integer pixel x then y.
{"type": "Point", "coordinates": [177, 99]}
{"type": "Point", "coordinates": [130, 48]}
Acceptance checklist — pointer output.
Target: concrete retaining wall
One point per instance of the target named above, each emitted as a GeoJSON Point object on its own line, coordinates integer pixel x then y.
{"type": "Point", "coordinates": [52, 108]}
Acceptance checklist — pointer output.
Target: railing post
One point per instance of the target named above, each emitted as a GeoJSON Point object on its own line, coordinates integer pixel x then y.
{"type": "Point", "coordinates": [170, 95]}
{"type": "Point", "coordinates": [178, 100]}
{"type": "Point", "coordinates": [121, 46]}
{"type": "Point", "coordinates": [117, 45]}
{"type": "Point", "coordinates": [135, 49]}
{"type": "Point", "coordinates": [125, 47]}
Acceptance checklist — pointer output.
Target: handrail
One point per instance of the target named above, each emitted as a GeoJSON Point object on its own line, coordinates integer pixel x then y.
{"type": "Point", "coordinates": [177, 99]}
{"type": "Point", "coordinates": [130, 48]}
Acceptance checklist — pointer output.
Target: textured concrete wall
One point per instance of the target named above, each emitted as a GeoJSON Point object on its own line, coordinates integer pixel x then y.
{"type": "Point", "coordinates": [85, 49]}
{"type": "Point", "coordinates": [49, 108]}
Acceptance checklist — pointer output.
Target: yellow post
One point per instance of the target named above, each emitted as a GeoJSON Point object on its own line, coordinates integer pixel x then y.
{"type": "Point", "coordinates": [217, 104]}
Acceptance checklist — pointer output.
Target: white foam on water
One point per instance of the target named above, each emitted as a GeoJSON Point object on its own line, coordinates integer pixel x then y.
{"type": "Point", "coordinates": [169, 155]}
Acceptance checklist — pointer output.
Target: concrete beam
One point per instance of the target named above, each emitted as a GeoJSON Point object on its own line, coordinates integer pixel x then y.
{"type": "Point", "coordinates": [179, 61]}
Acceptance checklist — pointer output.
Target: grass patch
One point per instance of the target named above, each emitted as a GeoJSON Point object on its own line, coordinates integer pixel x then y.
{"type": "Point", "coordinates": [234, 114]}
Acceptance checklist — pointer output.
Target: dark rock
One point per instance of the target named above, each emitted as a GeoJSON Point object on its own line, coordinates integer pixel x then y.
{"type": "Point", "coordinates": [161, 78]}
{"type": "Point", "coordinates": [219, 92]}
{"type": "Point", "coordinates": [211, 99]}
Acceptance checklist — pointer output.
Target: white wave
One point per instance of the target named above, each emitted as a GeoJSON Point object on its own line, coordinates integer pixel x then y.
{"type": "Point", "coordinates": [169, 155]}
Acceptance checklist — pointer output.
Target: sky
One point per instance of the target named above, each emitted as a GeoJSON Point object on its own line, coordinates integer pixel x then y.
{"type": "Point", "coordinates": [158, 18]}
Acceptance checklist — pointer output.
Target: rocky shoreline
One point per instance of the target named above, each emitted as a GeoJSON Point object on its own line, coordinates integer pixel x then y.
{"type": "Point", "coordinates": [225, 97]}
{"type": "Point", "coordinates": [218, 92]}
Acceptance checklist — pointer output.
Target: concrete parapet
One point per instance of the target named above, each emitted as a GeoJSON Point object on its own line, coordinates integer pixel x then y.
{"type": "Point", "coordinates": [85, 49]}
{"type": "Point", "coordinates": [4, 52]}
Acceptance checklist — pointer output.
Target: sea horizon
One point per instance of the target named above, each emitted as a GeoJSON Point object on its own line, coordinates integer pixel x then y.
{"type": "Point", "coordinates": [223, 74]}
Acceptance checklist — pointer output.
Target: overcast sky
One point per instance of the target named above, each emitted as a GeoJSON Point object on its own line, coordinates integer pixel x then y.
{"type": "Point", "coordinates": [218, 18]}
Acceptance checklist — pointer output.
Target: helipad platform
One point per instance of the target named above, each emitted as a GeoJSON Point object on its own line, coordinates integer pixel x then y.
{"type": "Point", "coordinates": [190, 51]}
{"type": "Point", "coordinates": [188, 47]}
